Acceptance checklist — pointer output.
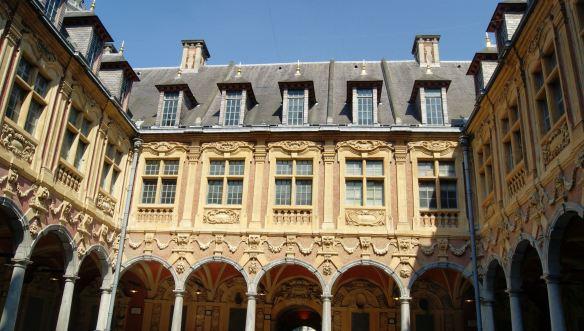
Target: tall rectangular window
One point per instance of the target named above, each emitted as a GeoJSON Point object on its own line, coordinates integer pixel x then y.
{"type": "Point", "coordinates": [549, 96]}
{"type": "Point", "coordinates": [365, 106]}
{"type": "Point", "coordinates": [295, 107]}
{"type": "Point", "coordinates": [364, 188]}
{"type": "Point", "coordinates": [233, 108]}
{"type": "Point", "coordinates": [225, 174]}
{"type": "Point", "coordinates": [51, 8]}
{"type": "Point", "coordinates": [94, 50]}
{"type": "Point", "coordinates": [28, 97]}
{"type": "Point", "coordinates": [111, 168]}
{"type": "Point", "coordinates": [293, 183]}
{"type": "Point", "coordinates": [76, 139]}
{"type": "Point", "coordinates": [169, 109]}
{"type": "Point", "coordinates": [434, 114]}
{"type": "Point", "coordinates": [159, 181]}
{"type": "Point", "coordinates": [437, 184]}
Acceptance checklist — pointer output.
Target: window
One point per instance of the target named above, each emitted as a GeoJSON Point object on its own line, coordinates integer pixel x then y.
{"type": "Point", "coordinates": [548, 92]}
{"type": "Point", "coordinates": [94, 49]}
{"type": "Point", "coordinates": [169, 109]}
{"type": "Point", "coordinates": [437, 184]}
{"type": "Point", "coordinates": [433, 109]}
{"type": "Point", "coordinates": [51, 9]}
{"type": "Point", "coordinates": [28, 98]}
{"type": "Point", "coordinates": [161, 174]}
{"type": "Point", "coordinates": [76, 139]}
{"type": "Point", "coordinates": [233, 108]}
{"type": "Point", "coordinates": [295, 107]}
{"type": "Point", "coordinates": [512, 142]}
{"type": "Point", "coordinates": [364, 188]}
{"type": "Point", "coordinates": [364, 106]}
{"type": "Point", "coordinates": [225, 174]}
{"type": "Point", "coordinates": [293, 183]}
{"type": "Point", "coordinates": [111, 168]}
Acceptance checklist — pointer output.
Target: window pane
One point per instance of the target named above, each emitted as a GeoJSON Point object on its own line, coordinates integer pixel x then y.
{"type": "Point", "coordinates": [426, 168]}
{"type": "Point", "coordinates": [448, 194]}
{"type": "Point", "coordinates": [283, 167]}
{"type": "Point", "coordinates": [354, 193]}
{"type": "Point", "coordinates": [446, 168]}
{"type": "Point", "coordinates": [169, 109]}
{"type": "Point", "coordinates": [295, 107]}
{"type": "Point", "coordinates": [168, 191]}
{"type": "Point", "coordinates": [215, 193]}
{"type": "Point", "coordinates": [152, 167]}
{"type": "Point", "coordinates": [24, 70]}
{"type": "Point", "coordinates": [233, 108]}
{"type": "Point", "coordinates": [41, 85]}
{"type": "Point", "coordinates": [110, 151]}
{"type": "Point", "coordinates": [148, 190]}
{"type": "Point", "coordinates": [558, 98]}
{"type": "Point", "coordinates": [374, 168]}
{"type": "Point", "coordinates": [68, 140]}
{"type": "Point", "coordinates": [427, 195]}
{"type": "Point", "coordinates": [15, 103]}
{"type": "Point", "coordinates": [434, 106]}
{"type": "Point", "coordinates": [354, 168]}
{"type": "Point", "coordinates": [234, 192]}
{"type": "Point", "coordinates": [32, 118]}
{"type": "Point", "coordinates": [374, 193]}
{"type": "Point", "coordinates": [114, 181]}
{"type": "Point", "coordinates": [364, 106]}
{"type": "Point", "coordinates": [304, 168]}
{"type": "Point", "coordinates": [94, 49]}
{"type": "Point", "coordinates": [508, 149]}
{"type": "Point", "coordinates": [283, 192]}
{"type": "Point", "coordinates": [171, 167]}
{"type": "Point", "coordinates": [217, 168]}
{"type": "Point", "coordinates": [104, 173]}
{"type": "Point", "coordinates": [544, 116]}
{"type": "Point", "coordinates": [304, 192]}
{"type": "Point", "coordinates": [51, 7]}
{"type": "Point", "coordinates": [236, 168]}
{"type": "Point", "coordinates": [80, 155]}
{"type": "Point", "coordinates": [85, 127]}
{"type": "Point", "coordinates": [73, 116]}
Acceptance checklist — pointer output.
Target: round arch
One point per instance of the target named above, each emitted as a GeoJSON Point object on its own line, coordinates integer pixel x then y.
{"type": "Point", "coordinates": [492, 264]}
{"type": "Point", "coordinates": [439, 265]}
{"type": "Point", "coordinates": [152, 258]}
{"type": "Point", "coordinates": [215, 259]}
{"type": "Point", "coordinates": [403, 291]}
{"type": "Point", "coordinates": [523, 243]}
{"type": "Point", "coordinates": [104, 267]}
{"type": "Point", "coordinates": [559, 221]}
{"type": "Point", "coordinates": [18, 222]}
{"type": "Point", "coordinates": [290, 261]}
{"type": "Point", "coordinates": [69, 247]}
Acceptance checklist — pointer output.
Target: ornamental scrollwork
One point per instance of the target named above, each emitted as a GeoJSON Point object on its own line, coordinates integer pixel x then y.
{"type": "Point", "coordinates": [365, 217]}
{"type": "Point", "coordinates": [293, 146]}
{"type": "Point", "coordinates": [434, 146]}
{"type": "Point", "coordinates": [164, 147]}
{"type": "Point", "coordinates": [221, 216]}
{"type": "Point", "coordinates": [106, 204]}
{"type": "Point", "coordinates": [363, 146]}
{"type": "Point", "coordinates": [17, 143]}
{"type": "Point", "coordinates": [227, 146]}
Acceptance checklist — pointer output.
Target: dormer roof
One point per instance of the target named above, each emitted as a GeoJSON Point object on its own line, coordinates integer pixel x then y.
{"type": "Point", "coordinates": [118, 61]}
{"type": "Point", "coordinates": [502, 8]}
{"type": "Point", "coordinates": [428, 80]}
{"type": "Point", "coordinates": [298, 82]}
{"type": "Point", "coordinates": [364, 81]}
{"type": "Point", "coordinates": [486, 54]}
{"type": "Point", "coordinates": [175, 85]}
{"type": "Point", "coordinates": [86, 18]}
{"type": "Point", "coordinates": [238, 83]}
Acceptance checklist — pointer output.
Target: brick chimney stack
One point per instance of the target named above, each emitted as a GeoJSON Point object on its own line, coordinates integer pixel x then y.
{"type": "Point", "coordinates": [194, 55]}
{"type": "Point", "coordinates": [426, 50]}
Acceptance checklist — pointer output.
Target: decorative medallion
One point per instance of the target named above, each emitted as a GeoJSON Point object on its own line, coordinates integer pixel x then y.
{"type": "Point", "coordinates": [221, 216]}
{"type": "Point", "coordinates": [365, 217]}
{"type": "Point", "coordinates": [363, 146]}
{"type": "Point", "coordinates": [227, 146]}
{"type": "Point", "coordinates": [293, 146]}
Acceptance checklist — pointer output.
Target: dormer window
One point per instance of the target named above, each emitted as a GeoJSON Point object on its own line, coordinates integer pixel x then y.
{"type": "Point", "coordinates": [297, 98]}
{"type": "Point", "coordinates": [95, 48]}
{"type": "Point", "coordinates": [429, 96]}
{"type": "Point", "coordinates": [364, 106]}
{"type": "Point", "coordinates": [52, 8]}
{"type": "Point", "coordinates": [505, 21]}
{"type": "Point", "coordinates": [364, 95]}
{"type": "Point", "coordinates": [233, 101]}
{"type": "Point", "coordinates": [170, 109]}
{"type": "Point", "coordinates": [434, 112]}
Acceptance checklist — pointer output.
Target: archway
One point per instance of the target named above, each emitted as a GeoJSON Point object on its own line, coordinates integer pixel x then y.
{"type": "Point", "coordinates": [215, 297]}
{"type": "Point", "coordinates": [527, 279]}
{"type": "Point", "coordinates": [442, 299]}
{"type": "Point", "coordinates": [44, 282]}
{"type": "Point", "coordinates": [285, 291]}
{"type": "Point", "coordinates": [496, 289]}
{"type": "Point", "coordinates": [11, 235]}
{"type": "Point", "coordinates": [566, 260]}
{"type": "Point", "coordinates": [365, 297]}
{"type": "Point", "coordinates": [145, 295]}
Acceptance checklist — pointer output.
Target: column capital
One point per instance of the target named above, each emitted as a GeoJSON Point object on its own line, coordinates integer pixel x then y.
{"type": "Point", "coordinates": [70, 278]}
{"type": "Point", "coordinates": [327, 297]}
{"type": "Point", "coordinates": [105, 290]}
{"type": "Point", "coordinates": [405, 299]}
{"type": "Point", "coordinates": [20, 263]}
{"type": "Point", "coordinates": [179, 293]}
{"type": "Point", "coordinates": [251, 295]}
{"type": "Point", "coordinates": [551, 279]}
{"type": "Point", "coordinates": [514, 292]}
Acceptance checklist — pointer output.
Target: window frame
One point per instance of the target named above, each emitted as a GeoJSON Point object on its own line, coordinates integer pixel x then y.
{"type": "Point", "coordinates": [364, 178]}
{"type": "Point", "coordinates": [225, 178]}
{"type": "Point", "coordinates": [293, 177]}
{"type": "Point", "coordinates": [233, 99]}
{"type": "Point", "coordinates": [296, 100]}
{"type": "Point", "coordinates": [169, 101]}
{"type": "Point", "coordinates": [113, 164]}
{"type": "Point", "coordinates": [436, 178]}
{"type": "Point", "coordinates": [160, 177]}
{"type": "Point", "coordinates": [79, 136]}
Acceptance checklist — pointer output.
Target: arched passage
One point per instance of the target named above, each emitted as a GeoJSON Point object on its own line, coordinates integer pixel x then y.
{"type": "Point", "coordinates": [215, 296]}
{"type": "Point", "coordinates": [289, 296]}
{"type": "Point", "coordinates": [527, 283]}
{"type": "Point", "coordinates": [565, 260]}
{"type": "Point", "coordinates": [497, 297]}
{"type": "Point", "coordinates": [442, 299]}
{"type": "Point", "coordinates": [365, 297]}
{"type": "Point", "coordinates": [145, 295]}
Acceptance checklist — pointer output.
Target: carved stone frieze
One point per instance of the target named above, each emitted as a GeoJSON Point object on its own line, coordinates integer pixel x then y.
{"type": "Point", "coordinates": [17, 143]}
{"type": "Point", "coordinates": [363, 146]}
{"type": "Point", "coordinates": [221, 216]}
{"type": "Point", "coordinates": [164, 147]}
{"type": "Point", "coordinates": [227, 146]}
{"type": "Point", "coordinates": [434, 146]}
{"type": "Point", "coordinates": [106, 204]}
{"type": "Point", "coordinates": [555, 143]}
{"type": "Point", "coordinates": [293, 146]}
{"type": "Point", "coordinates": [63, 211]}
{"type": "Point", "coordinates": [365, 217]}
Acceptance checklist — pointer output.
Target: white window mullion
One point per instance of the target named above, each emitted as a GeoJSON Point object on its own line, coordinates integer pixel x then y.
{"type": "Point", "coordinates": [285, 107]}
{"type": "Point", "coordinates": [305, 111]}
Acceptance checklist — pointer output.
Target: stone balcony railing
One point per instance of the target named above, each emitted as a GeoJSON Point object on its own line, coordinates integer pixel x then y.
{"type": "Point", "coordinates": [441, 219]}
{"type": "Point", "coordinates": [69, 176]}
{"type": "Point", "coordinates": [292, 216]}
{"type": "Point", "coordinates": [516, 179]}
{"type": "Point", "coordinates": [155, 214]}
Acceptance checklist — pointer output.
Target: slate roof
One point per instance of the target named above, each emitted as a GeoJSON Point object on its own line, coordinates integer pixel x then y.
{"type": "Point", "coordinates": [397, 78]}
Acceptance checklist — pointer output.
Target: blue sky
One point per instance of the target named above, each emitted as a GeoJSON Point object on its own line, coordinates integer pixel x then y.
{"type": "Point", "coordinates": [264, 31]}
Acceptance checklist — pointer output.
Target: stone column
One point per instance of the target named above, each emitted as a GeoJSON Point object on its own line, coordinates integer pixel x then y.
{"type": "Point", "coordinates": [555, 302]}
{"type": "Point", "coordinates": [326, 313]}
{"type": "Point", "coordinates": [251, 312]}
{"type": "Point", "coordinates": [400, 154]}
{"type": "Point", "coordinates": [488, 314]}
{"type": "Point", "coordinates": [259, 156]}
{"type": "Point", "coordinates": [66, 302]}
{"type": "Point", "coordinates": [10, 311]}
{"type": "Point", "coordinates": [515, 305]}
{"type": "Point", "coordinates": [106, 294]}
{"type": "Point", "coordinates": [328, 156]}
{"type": "Point", "coordinates": [177, 312]}
{"type": "Point", "coordinates": [405, 313]}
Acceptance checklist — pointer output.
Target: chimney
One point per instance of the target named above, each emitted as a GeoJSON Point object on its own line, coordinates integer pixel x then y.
{"type": "Point", "coordinates": [425, 50]}
{"type": "Point", "coordinates": [194, 55]}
